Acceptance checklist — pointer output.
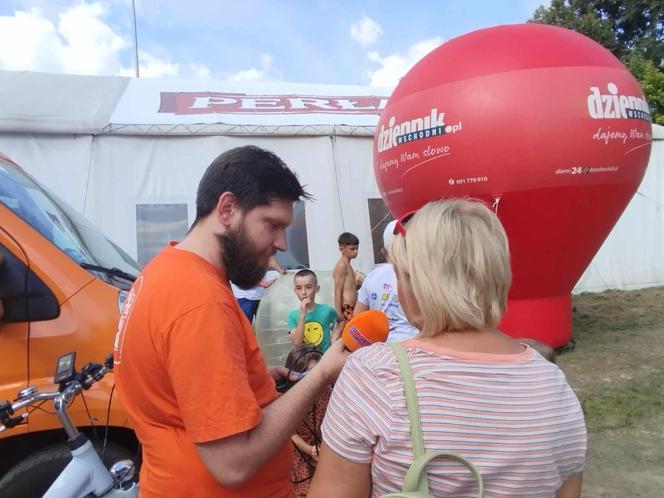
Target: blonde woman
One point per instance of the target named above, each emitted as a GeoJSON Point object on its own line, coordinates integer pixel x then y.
{"type": "Point", "coordinates": [481, 394]}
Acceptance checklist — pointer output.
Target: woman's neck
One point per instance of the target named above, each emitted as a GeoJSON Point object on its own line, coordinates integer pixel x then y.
{"type": "Point", "coordinates": [477, 341]}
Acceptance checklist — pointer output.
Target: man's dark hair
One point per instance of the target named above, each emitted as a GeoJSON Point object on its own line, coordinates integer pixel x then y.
{"type": "Point", "coordinates": [256, 176]}
{"type": "Point", "coordinates": [348, 239]}
{"type": "Point", "coordinates": [306, 273]}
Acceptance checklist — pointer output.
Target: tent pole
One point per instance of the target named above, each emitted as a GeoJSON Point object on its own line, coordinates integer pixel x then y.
{"type": "Point", "coordinates": [133, 10]}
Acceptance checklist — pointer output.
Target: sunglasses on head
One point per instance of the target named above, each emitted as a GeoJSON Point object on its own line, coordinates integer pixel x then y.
{"type": "Point", "coordinates": [400, 226]}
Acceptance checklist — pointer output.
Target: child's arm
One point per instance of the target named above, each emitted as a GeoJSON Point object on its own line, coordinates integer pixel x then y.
{"type": "Point", "coordinates": [336, 331]}
{"type": "Point", "coordinates": [274, 264]}
{"type": "Point", "coordinates": [266, 283]}
{"type": "Point", "coordinates": [339, 277]}
{"type": "Point", "coordinates": [297, 334]}
{"type": "Point", "coordinates": [305, 448]}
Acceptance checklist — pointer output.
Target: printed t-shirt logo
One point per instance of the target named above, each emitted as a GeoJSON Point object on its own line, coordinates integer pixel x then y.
{"type": "Point", "coordinates": [313, 333]}
{"type": "Point", "coordinates": [124, 316]}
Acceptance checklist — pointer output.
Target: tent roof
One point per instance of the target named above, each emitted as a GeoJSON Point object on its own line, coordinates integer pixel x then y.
{"type": "Point", "coordinates": [57, 103]}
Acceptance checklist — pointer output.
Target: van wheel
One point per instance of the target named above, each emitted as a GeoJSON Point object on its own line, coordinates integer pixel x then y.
{"type": "Point", "coordinates": [32, 476]}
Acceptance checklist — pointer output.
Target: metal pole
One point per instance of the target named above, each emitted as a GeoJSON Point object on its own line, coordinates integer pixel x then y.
{"type": "Point", "coordinates": [133, 9]}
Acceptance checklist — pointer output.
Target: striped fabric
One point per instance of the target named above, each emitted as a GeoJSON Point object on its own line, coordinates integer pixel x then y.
{"type": "Point", "coordinates": [514, 416]}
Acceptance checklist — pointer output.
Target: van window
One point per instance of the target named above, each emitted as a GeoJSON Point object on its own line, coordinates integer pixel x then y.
{"type": "Point", "coordinates": [58, 222]}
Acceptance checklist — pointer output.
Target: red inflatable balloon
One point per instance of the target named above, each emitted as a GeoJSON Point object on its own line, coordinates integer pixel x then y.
{"type": "Point", "coordinates": [544, 124]}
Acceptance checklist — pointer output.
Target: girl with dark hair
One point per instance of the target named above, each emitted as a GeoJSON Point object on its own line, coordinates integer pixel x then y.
{"type": "Point", "coordinates": [306, 442]}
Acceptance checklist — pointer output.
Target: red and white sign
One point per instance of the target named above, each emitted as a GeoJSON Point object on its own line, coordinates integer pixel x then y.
{"type": "Point", "coordinates": [263, 104]}
{"type": "Point", "coordinates": [237, 103]}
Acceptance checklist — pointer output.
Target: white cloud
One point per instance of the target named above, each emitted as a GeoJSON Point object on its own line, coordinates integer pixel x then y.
{"type": "Point", "coordinates": [150, 66]}
{"type": "Point", "coordinates": [79, 43]}
{"type": "Point", "coordinates": [265, 73]}
{"type": "Point", "coordinates": [366, 31]}
{"type": "Point", "coordinates": [395, 66]}
{"type": "Point", "coordinates": [91, 46]}
{"type": "Point", "coordinates": [199, 70]}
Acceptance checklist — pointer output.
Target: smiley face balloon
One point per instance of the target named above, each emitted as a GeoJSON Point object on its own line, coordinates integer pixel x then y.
{"type": "Point", "coordinates": [546, 126]}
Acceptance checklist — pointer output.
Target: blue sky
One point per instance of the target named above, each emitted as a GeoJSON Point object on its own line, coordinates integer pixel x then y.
{"type": "Point", "coordinates": [318, 41]}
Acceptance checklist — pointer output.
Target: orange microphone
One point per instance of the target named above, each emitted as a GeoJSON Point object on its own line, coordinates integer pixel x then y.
{"type": "Point", "coordinates": [365, 329]}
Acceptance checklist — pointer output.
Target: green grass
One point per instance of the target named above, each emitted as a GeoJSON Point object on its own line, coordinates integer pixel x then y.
{"type": "Point", "coordinates": [616, 367]}
{"type": "Point", "coordinates": [626, 404]}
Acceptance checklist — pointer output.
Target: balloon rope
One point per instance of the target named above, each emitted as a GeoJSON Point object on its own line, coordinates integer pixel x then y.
{"type": "Point", "coordinates": [659, 204]}
{"type": "Point", "coordinates": [496, 201]}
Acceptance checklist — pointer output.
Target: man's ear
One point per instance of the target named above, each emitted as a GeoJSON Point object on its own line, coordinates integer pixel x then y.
{"type": "Point", "coordinates": [227, 207]}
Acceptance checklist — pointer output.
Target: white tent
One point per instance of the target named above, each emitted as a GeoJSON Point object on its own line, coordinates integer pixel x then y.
{"type": "Point", "coordinates": [128, 153]}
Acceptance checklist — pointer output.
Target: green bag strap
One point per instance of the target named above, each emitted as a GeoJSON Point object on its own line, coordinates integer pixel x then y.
{"type": "Point", "coordinates": [416, 478]}
{"type": "Point", "coordinates": [411, 399]}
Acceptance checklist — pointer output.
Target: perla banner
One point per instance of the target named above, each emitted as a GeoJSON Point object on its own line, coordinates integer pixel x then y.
{"type": "Point", "coordinates": [266, 104]}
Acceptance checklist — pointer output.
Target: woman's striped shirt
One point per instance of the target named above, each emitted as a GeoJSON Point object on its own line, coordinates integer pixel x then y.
{"type": "Point", "coordinates": [514, 416]}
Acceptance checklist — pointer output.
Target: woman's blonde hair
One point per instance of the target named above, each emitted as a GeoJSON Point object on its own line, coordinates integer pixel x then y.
{"type": "Point", "coordinates": [455, 258]}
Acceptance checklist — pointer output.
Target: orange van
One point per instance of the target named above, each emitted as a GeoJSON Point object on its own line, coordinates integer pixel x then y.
{"type": "Point", "coordinates": [62, 283]}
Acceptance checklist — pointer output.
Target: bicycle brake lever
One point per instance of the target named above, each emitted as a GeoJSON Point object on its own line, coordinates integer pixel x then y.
{"type": "Point", "coordinates": [5, 409]}
{"type": "Point", "coordinates": [13, 422]}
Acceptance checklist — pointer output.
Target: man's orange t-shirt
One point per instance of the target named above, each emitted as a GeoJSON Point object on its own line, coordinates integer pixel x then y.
{"type": "Point", "coordinates": [189, 370]}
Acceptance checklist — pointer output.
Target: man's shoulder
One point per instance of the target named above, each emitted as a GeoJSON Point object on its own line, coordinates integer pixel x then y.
{"type": "Point", "coordinates": [187, 280]}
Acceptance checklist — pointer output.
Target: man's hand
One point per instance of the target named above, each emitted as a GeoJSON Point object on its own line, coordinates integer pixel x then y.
{"type": "Point", "coordinates": [280, 373]}
{"type": "Point", "coordinates": [313, 452]}
{"type": "Point", "coordinates": [332, 362]}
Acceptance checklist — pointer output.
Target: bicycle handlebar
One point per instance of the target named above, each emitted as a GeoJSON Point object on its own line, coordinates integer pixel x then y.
{"type": "Point", "coordinates": [89, 375]}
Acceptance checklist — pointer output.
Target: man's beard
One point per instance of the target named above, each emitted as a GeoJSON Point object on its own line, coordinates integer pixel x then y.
{"type": "Point", "coordinates": [245, 267]}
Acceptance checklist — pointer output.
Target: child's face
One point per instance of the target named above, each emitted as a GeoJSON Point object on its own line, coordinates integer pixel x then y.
{"type": "Point", "coordinates": [349, 251]}
{"type": "Point", "coordinates": [306, 288]}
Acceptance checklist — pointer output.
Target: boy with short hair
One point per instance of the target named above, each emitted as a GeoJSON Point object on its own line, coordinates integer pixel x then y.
{"type": "Point", "coordinates": [345, 283]}
{"type": "Point", "coordinates": [312, 323]}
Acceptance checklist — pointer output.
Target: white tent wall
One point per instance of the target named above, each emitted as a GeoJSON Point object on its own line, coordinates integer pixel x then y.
{"type": "Point", "coordinates": [59, 162]}
{"type": "Point", "coordinates": [148, 170]}
{"type": "Point", "coordinates": [632, 256]}
{"type": "Point", "coordinates": [356, 183]}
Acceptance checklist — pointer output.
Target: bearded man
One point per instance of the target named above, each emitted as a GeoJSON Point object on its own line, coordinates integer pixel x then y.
{"type": "Point", "coordinates": [188, 368]}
